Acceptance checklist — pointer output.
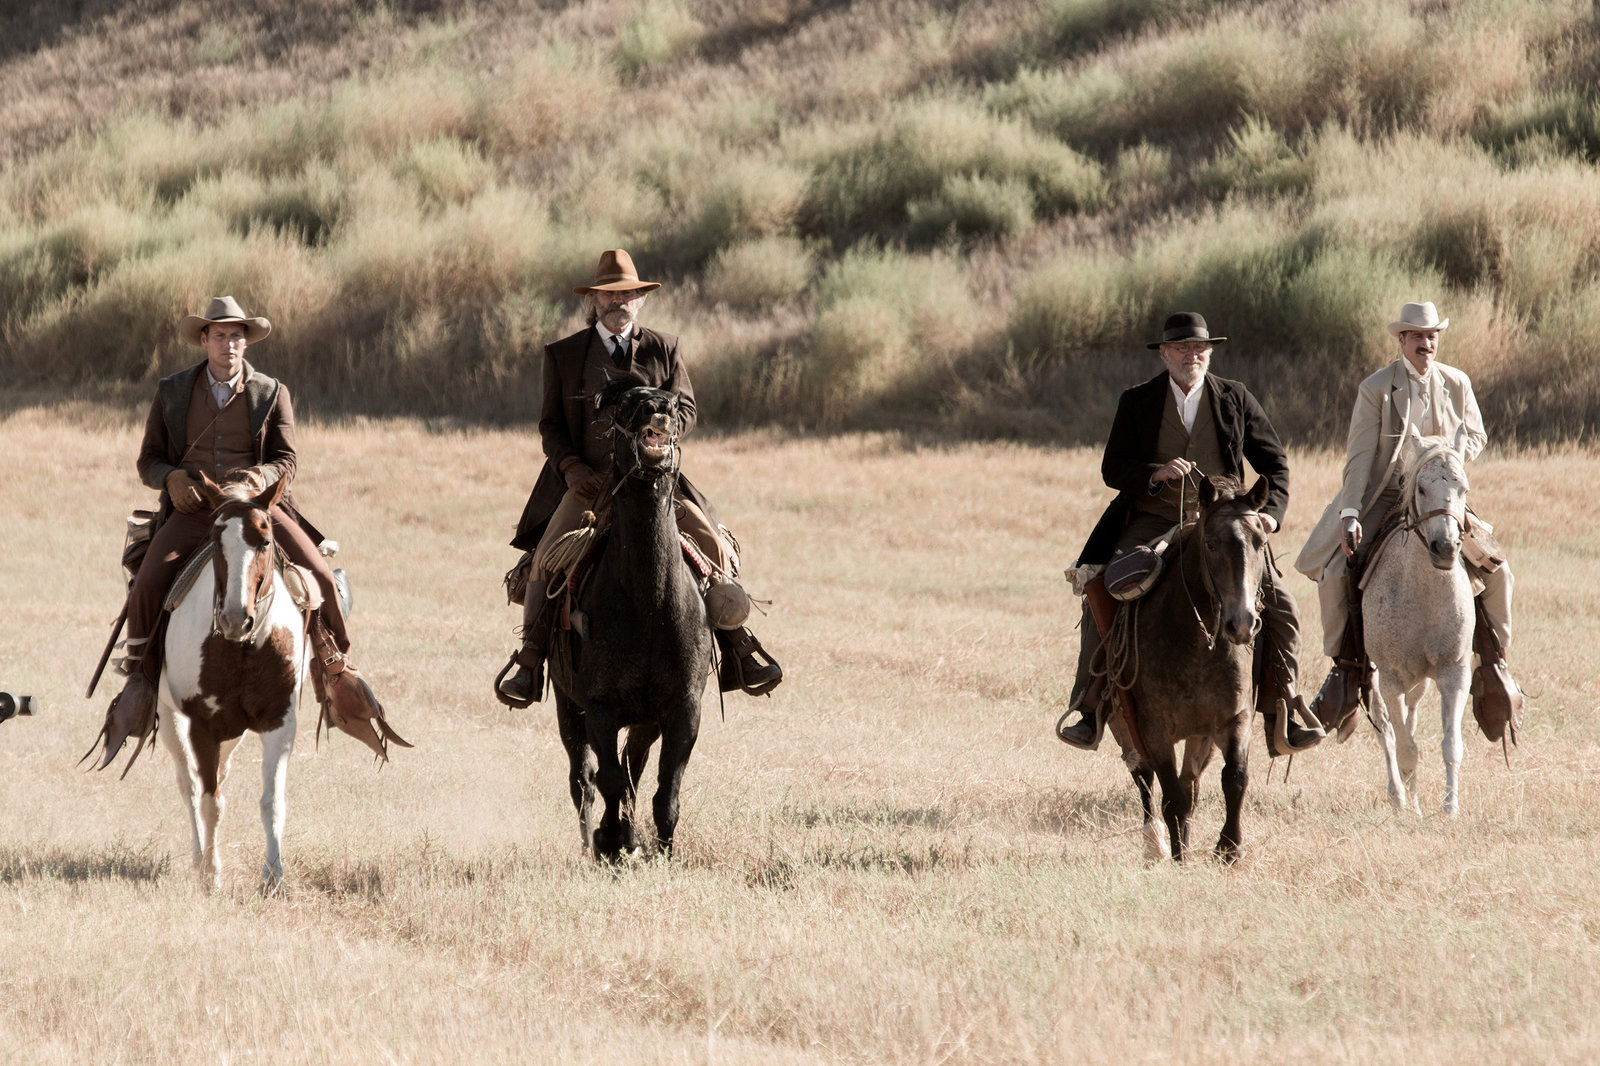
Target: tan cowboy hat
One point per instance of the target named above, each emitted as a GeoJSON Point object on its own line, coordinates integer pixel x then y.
{"type": "Point", "coordinates": [223, 309]}
{"type": "Point", "coordinates": [616, 274]}
{"type": "Point", "coordinates": [1420, 317]}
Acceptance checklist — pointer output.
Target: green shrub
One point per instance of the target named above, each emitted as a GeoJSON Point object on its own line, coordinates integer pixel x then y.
{"type": "Point", "coordinates": [1256, 159]}
{"type": "Point", "coordinates": [885, 319]}
{"type": "Point", "coordinates": [971, 206]}
{"type": "Point", "coordinates": [661, 31]}
{"type": "Point", "coordinates": [868, 186]}
{"type": "Point", "coordinates": [754, 275]}
{"type": "Point", "coordinates": [746, 199]}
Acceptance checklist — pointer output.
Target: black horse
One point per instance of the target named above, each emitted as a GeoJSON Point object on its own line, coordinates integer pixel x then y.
{"type": "Point", "coordinates": [1188, 662]}
{"type": "Point", "coordinates": [643, 661]}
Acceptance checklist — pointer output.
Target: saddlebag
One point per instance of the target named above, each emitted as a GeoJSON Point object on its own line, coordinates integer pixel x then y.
{"type": "Point", "coordinates": [141, 530]}
{"type": "Point", "coordinates": [516, 580]}
{"type": "Point", "coordinates": [1133, 573]}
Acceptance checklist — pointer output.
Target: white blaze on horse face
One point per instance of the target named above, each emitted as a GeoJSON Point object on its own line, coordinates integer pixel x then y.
{"type": "Point", "coordinates": [233, 618]}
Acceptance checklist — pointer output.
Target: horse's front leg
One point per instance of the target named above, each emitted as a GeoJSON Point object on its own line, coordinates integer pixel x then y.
{"type": "Point", "coordinates": [581, 765]}
{"type": "Point", "coordinates": [1197, 752]}
{"type": "Point", "coordinates": [276, 747]}
{"type": "Point", "coordinates": [1175, 799]}
{"type": "Point", "coordinates": [1406, 751]}
{"type": "Point", "coordinates": [211, 764]}
{"type": "Point", "coordinates": [678, 734]}
{"type": "Point", "coordinates": [611, 779]}
{"type": "Point", "coordinates": [173, 728]}
{"type": "Point", "coordinates": [1388, 693]}
{"type": "Point", "coordinates": [1454, 683]}
{"type": "Point", "coordinates": [1235, 779]}
{"type": "Point", "coordinates": [1157, 844]}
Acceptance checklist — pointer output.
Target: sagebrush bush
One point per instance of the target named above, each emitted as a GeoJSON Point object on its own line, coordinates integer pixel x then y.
{"type": "Point", "coordinates": [869, 186]}
{"type": "Point", "coordinates": [751, 276]}
{"type": "Point", "coordinates": [861, 212]}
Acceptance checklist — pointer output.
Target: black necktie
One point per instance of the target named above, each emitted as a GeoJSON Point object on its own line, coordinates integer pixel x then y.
{"type": "Point", "coordinates": [619, 354]}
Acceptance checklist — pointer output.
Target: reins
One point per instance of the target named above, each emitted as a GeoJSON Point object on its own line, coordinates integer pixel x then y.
{"type": "Point", "coordinates": [1205, 573]}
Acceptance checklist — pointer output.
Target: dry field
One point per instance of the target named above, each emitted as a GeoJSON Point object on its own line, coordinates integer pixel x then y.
{"type": "Point", "coordinates": [890, 861]}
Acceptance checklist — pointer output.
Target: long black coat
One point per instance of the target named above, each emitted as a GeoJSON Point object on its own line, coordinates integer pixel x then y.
{"type": "Point", "coordinates": [566, 411]}
{"type": "Point", "coordinates": [1243, 432]}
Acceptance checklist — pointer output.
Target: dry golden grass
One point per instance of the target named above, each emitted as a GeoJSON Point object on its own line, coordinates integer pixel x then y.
{"type": "Point", "coordinates": [890, 861]}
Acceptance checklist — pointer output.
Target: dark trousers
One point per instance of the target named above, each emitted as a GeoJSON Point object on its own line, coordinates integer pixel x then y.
{"type": "Point", "coordinates": [171, 548]}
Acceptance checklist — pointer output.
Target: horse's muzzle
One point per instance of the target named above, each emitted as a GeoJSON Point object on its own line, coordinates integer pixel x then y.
{"type": "Point", "coordinates": [1241, 628]}
{"type": "Point", "coordinates": [1444, 553]}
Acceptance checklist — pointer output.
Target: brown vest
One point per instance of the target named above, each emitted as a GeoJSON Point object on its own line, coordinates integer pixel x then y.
{"type": "Point", "coordinates": [218, 442]}
{"type": "Point", "coordinates": [1199, 446]}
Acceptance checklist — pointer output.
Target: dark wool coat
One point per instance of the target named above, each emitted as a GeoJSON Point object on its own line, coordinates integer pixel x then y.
{"type": "Point", "coordinates": [271, 434]}
{"type": "Point", "coordinates": [567, 411]}
{"type": "Point", "coordinates": [1243, 432]}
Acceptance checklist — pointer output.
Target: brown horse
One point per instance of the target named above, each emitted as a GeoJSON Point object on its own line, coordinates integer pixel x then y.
{"type": "Point", "coordinates": [1183, 653]}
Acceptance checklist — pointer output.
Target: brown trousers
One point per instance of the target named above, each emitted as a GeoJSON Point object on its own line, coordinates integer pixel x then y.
{"type": "Point", "coordinates": [171, 548]}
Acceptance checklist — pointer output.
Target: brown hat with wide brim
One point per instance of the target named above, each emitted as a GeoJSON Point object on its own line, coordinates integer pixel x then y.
{"type": "Point", "coordinates": [223, 309]}
{"type": "Point", "coordinates": [616, 273]}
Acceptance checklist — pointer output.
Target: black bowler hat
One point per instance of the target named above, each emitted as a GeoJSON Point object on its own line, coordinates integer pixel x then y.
{"type": "Point", "coordinates": [1184, 326]}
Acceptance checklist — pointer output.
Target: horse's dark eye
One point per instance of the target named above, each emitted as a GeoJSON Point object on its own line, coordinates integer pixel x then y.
{"type": "Point", "coordinates": [1211, 545]}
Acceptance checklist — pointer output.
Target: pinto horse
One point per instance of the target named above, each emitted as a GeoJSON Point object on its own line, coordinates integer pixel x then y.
{"type": "Point", "coordinates": [1186, 664]}
{"type": "Point", "coordinates": [643, 663]}
{"type": "Point", "coordinates": [235, 661]}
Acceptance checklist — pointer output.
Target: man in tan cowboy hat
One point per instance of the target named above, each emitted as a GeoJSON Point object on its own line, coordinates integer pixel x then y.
{"type": "Point", "coordinates": [1417, 393]}
{"type": "Point", "coordinates": [577, 451]}
{"type": "Point", "coordinates": [1181, 425]}
{"type": "Point", "coordinates": [228, 421]}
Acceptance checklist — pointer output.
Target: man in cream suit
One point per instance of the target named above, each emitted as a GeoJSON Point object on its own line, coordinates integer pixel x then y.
{"type": "Point", "coordinates": [1414, 392]}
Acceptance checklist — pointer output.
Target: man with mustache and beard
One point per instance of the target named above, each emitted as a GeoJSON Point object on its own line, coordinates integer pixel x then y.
{"type": "Point", "coordinates": [1180, 426]}
{"type": "Point", "coordinates": [577, 448]}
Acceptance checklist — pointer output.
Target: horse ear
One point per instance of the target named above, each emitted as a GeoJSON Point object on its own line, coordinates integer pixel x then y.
{"type": "Point", "coordinates": [210, 492]}
{"type": "Point", "coordinates": [1259, 493]}
{"type": "Point", "coordinates": [1207, 492]}
{"type": "Point", "coordinates": [269, 497]}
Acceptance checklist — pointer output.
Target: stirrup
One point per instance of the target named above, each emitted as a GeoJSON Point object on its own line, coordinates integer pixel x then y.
{"type": "Point", "coordinates": [1063, 731]}
{"type": "Point", "coordinates": [514, 702]}
{"type": "Point", "coordinates": [1281, 744]}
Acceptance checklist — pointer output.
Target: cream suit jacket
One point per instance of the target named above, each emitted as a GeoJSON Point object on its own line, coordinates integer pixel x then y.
{"type": "Point", "coordinates": [1378, 425]}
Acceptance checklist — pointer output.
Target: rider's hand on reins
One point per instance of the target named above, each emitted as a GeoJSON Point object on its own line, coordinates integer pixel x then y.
{"type": "Point", "coordinates": [576, 474]}
{"type": "Point", "coordinates": [185, 492]}
{"type": "Point", "coordinates": [1172, 471]}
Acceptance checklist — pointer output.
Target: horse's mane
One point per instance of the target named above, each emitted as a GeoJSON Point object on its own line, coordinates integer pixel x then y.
{"type": "Point", "coordinates": [1426, 450]}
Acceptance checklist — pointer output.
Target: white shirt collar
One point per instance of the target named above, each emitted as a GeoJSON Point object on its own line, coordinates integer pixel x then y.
{"type": "Point", "coordinates": [1188, 402]}
{"type": "Point", "coordinates": [607, 336]}
{"type": "Point", "coordinates": [232, 383]}
{"type": "Point", "coordinates": [1414, 374]}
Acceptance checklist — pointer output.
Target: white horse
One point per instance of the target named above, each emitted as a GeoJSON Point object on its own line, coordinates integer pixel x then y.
{"type": "Point", "coordinates": [1418, 617]}
{"type": "Point", "coordinates": [235, 661]}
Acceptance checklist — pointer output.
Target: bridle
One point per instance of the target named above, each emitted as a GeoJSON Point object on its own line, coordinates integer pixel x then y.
{"type": "Point", "coordinates": [265, 589]}
{"type": "Point", "coordinates": [637, 469]}
{"type": "Point", "coordinates": [1413, 520]}
{"type": "Point", "coordinates": [1206, 580]}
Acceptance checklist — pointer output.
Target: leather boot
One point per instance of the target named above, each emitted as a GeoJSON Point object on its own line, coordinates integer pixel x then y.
{"type": "Point", "coordinates": [1335, 703]}
{"type": "Point", "coordinates": [745, 663]}
{"type": "Point", "coordinates": [525, 687]}
{"type": "Point", "coordinates": [1091, 726]}
{"type": "Point", "coordinates": [348, 702]}
{"type": "Point", "coordinates": [132, 713]}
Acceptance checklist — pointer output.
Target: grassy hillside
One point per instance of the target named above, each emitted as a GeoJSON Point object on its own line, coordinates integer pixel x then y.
{"type": "Point", "coordinates": [867, 213]}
